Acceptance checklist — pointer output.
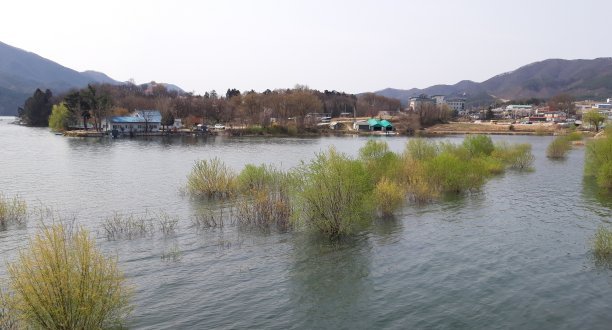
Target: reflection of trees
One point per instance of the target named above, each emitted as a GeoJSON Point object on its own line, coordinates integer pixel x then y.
{"type": "Point", "coordinates": [330, 286]}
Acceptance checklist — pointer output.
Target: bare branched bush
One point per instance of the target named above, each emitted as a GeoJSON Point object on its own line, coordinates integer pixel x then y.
{"type": "Point", "coordinates": [212, 218]}
{"type": "Point", "coordinates": [119, 226]}
{"type": "Point", "coordinates": [265, 210]}
{"type": "Point", "coordinates": [167, 224]}
{"type": "Point", "coordinates": [12, 211]}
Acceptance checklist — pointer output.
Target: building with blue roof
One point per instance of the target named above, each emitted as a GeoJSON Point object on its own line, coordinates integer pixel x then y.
{"type": "Point", "coordinates": [141, 121]}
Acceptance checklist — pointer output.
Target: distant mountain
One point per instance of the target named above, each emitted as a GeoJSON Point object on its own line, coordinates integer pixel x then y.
{"type": "Point", "coordinates": [580, 78]}
{"type": "Point", "coordinates": [169, 87]}
{"type": "Point", "coordinates": [22, 72]}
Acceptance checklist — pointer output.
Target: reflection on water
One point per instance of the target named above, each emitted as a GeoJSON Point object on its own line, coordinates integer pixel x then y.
{"type": "Point", "coordinates": [329, 281]}
{"type": "Point", "coordinates": [514, 255]}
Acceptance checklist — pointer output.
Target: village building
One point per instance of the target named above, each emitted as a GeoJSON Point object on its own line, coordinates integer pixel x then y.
{"type": "Point", "coordinates": [140, 121]}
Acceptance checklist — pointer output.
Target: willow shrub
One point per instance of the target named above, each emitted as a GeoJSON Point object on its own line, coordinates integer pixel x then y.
{"type": "Point", "coordinates": [253, 177]}
{"type": "Point", "coordinates": [602, 243]}
{"type": "Point", "coordinates": [334, 195]}
{"type": "Point", "coordinates": [265, 209]}
{"type": "Point", "coordinates": [559, 147]}
{"type": "Point", "coordinates": [478, 145]}
{"type": "Point", "coordinates": [598, 161]}
{"type": "Point", "coordinates": [518, 156]}
{"type": "Point", "coordinates": [389, 196]}
{"type": "Point", "coordinates": [450, 173]}
{"type": "Point", "coordinates": [420, 149]}
{"type": "Point", "coordinates": [211, 179]}
{"type": "Point", "coordinates": [265, 197]}
{"type": "Point", "coordinates": [12, 210]}
{"type": "Point", "coordinates": [379, 160]}
{"type": "Point", "coordinates": [62, 281]}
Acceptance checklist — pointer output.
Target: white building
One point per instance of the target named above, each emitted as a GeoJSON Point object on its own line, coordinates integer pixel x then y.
{"type": "Point", "coordinates": [140, 121]}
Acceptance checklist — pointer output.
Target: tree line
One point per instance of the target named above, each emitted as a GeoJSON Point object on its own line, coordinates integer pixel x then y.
{"type": "Point", "coordinates": [88, 107]}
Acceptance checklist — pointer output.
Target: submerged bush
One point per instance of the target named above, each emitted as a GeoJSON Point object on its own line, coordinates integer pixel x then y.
{"type": "Point", "coordinates": [335, 194]}
{"type": "Point", "coordinates": [558, 148]}
{"type": "Point", "coordinates": [389, 196]}
{"type": "Point", "coordinates": [602, 243]}
{"type": "Point", "coordinates": [574, 136]}
{"type": "Point", "coordinates": [478, 145]}
{"type": "Point", "coordinates": [449, 173]}
{"type": "Point", "coordinates": [211, 179]}
{"type": "Point", "coordinates": [119, 226]}
{"type": "Point", "coordinates": [265, 200]}
{"type": "Point", "coordinates": [516, 156]}
{"type": "Point", "coordinates": [12, 210]}
{"type": "Point", "coordinates": [604, 175]}
{"type": "Point", "coordinates": [379, 160]}
{"type": "Point", "coordinates": [265, 209]}
{"type": "Point", "coordinates": [598, 162]}
{"type": "Point", "coordinates": [62, 281]}
{"type": "Point", "coordinates": [420, 149]}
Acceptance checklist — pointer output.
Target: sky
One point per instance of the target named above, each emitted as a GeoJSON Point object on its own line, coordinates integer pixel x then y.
{"type": "Point", "coordinates": [352, 46]}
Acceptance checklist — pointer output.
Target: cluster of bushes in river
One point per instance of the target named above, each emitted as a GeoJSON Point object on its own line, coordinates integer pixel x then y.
{"type": "Point", "coordinates": [336, 194]}
{"type": "Point", "coordinates": [559, 147]}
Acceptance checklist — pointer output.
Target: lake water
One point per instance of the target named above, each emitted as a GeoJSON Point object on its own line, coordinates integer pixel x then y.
{"type": "Point", "coordinates": [515, 255]}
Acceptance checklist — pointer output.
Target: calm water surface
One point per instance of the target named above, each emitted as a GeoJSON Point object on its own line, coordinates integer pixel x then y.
{"type": "Point", "coordinates": [515, 255]}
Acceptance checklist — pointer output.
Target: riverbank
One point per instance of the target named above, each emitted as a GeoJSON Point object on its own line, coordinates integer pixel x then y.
{"type": "Point", "coordinates": [493, 128]}
{"type": "Point", "coordinates": [451, 128]}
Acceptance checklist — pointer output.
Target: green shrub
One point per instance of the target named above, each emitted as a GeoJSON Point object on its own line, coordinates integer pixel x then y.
{"type": "Point", "coordinates": [478, 145]}
{"type": "Point", "coordinates": [211, 179]}
{"type": "Point", "coordinates": [449, 173]}
{"type": "Point", "coordinates": [558, 148]}
{"type": "Point", "coordinates": [516, 156]}
{"type": "Point", "coordinates": [574, 136]}
{"type": "Point", "coordinates": [62, 281]}
{"type": "Point", "coordinates": [253, 177]}
{"type": "Point", "coordinates": [420, 149]}
{"type": "Point", "coordinates": [12, 210]}
{"type": "Point", "coordinates": [602, 243]}
{"type": "Point", "coordinates": [389, 196]}
{"type": "Point", "coordinates": [335, 194]}
{"type": "Point", "coordinates": [598, 153]}
{"type": "Point", "coordinates": [604, 175]}
{"type": "Point", "coordinates": [379, 160]}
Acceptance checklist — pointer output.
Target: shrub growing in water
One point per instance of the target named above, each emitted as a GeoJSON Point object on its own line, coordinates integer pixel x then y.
{"type": "Point", "coordinates": [12, 210]}
{"type": "Point", "coordinates": [379, 160]}
{"type": "Point", "coordinates": [602, 243]}
{"type": "Point", "coordinates": [478, 145]}
{"type": "Point", "coordinates": [558, 148]}
{"type": "Point", "coordinates": [517, 156]}
{"type": "Point", "coordinates": [389, 196]}
{"type": "Point", "coordinates": [211, 179]}
{"type": "Point", "coordinates": [420, 149]}
{"type": "Point", "coordinates": [62, 281]}
{"type": "Point", "coordinates": [335, 194]}
{"type": "Point", "coordinates": [449, 173]}
{"type": "Point", "coordinates": [598, 161]}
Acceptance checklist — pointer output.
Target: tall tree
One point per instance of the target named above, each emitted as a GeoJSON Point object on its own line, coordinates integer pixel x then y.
{"type": "Point", "coordinates": [37, 109]}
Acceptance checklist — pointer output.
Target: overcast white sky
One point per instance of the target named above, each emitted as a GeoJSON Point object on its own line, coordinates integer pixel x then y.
{"type": "Point", "coordinates": [353, 46]}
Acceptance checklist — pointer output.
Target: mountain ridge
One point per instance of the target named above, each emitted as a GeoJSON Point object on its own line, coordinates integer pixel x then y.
{"type": "Point", "coordinates": [22, 72]}
{"type": "Point", "coordinates": [581, 78]}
